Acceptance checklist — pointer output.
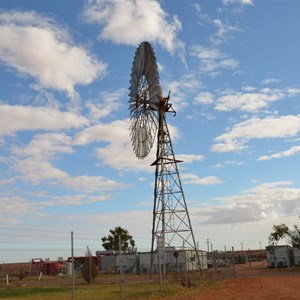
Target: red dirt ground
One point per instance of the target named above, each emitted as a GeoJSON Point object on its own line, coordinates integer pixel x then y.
{"type": "Point", "coordinates": [256, 282]}
{"type": "Point", "coordinates": [253, 281]}
{"type": "Point", "coordinates": [271, 287]}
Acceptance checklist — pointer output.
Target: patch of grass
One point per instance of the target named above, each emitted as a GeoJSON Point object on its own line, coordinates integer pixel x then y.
{"type": "Point", "coordinates": [20, 293]}
{"type": "Point", "coordinates": [110, 291]}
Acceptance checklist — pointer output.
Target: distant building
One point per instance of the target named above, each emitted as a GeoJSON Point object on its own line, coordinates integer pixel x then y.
{"type": "Point", "coordinates": [47, 267]}
{"type": "Point", "coordinates": [140, 262]}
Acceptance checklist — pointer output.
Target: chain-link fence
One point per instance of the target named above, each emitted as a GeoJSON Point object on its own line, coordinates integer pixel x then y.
{"type": "Point", "coordinates": [31, 258]}
{"type": "Point", "coordinates": [230, 264]}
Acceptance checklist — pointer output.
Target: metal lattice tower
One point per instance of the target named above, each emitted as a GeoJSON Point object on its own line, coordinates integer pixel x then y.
{"type": "Point", "coordinates": [171, 221]}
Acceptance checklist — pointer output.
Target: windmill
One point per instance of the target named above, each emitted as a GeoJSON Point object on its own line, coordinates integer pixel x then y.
{"type": "Point", "coordinates": [171, 226]}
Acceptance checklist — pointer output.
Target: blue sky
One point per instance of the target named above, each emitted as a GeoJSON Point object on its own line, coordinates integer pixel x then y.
{"type": "Point", "coordinates": [66, 162]}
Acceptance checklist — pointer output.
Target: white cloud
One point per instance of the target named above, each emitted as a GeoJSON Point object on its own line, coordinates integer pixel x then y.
{"type": "Point", "coordinates": [133, 21]}
{"type": "Point", "coordinates": [75, 199]}
{"type": "Point", "coordinates": [204, 98]}
{"type": "Point", "coordinates": [270, 80]}
{"type": "Point", "coordinates": [255, 128]}
{"type": "Point", "coordinates": [33, 164]}
{"type": "Point", "coordinates": [45, 146]}
{"type": "Point", "coordinates": [228, 162]}
{"type": "Point", "coordinates": [252, 102]}
{"type": "Point", "coordinates": [292, 151]}
{"type": "Point", "coordinates": [183, 89]}
{"type": "Point", "coordinates": [36, 170]}
{"type": "Point", "coordinates": [197, 7]}
{"type": "Point", "coordinates": [38, 47]}
{"type": "Point", "coordinates": [223, 32]}
{"type": "Point", "coordinates": [243, 2]}
{"type": "Point", "coordinates": [13, 208]}
{"type": "Point", "coordinates": [194, 179]}
{"type": "Point", "coordinates": [15, 118]}
{"type": "Point", "coordinates": [261, 202]}
{"type": "Point", "coordinates": [90, 184]}
{"type": "Point", "coordinates": [212, 59]}
{"type": "Point", "coordinates": [109, 102]}
{"type": "Point", "coordinates": [188, 158]}
{"type": "Point", "coordinates": [117, 150]}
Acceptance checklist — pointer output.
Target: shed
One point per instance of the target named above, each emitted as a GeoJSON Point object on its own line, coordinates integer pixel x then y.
{"type": "Point", "coordinates": [176, 260]}
{"type": "Point", "coordinates": [279, 256]}
{"type": "Point", "coordinates": [296, 256]}
{"type": "Point", "coordinates": [113, 263]}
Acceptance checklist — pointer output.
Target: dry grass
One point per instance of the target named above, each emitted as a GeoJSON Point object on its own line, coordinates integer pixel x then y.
{"type": "Point", "coordinates": [107, 288]}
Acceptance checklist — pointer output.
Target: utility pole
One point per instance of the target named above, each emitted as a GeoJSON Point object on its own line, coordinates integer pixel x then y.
{"type": "Point", "coordinates": [207, 245]}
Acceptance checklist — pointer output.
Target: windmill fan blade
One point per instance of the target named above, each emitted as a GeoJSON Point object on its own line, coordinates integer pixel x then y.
{"type": "Point", "coordinates": [145, 94]}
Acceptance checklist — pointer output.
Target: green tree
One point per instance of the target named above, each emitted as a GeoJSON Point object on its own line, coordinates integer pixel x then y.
{"type": "Point", "coordinates": [112, 241]}
{"type": "Point", "coordinates": [294, 236]}
{"type": "Point", "coordinates": [280, 231]}
{"type": "Point", "coordinates": [89, 268]}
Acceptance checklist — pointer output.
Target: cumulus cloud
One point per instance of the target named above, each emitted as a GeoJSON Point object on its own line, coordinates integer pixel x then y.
{"type": "Point", "coordinates": [243, 2]}
{"type": "Point", "coordinates": [133, 21]}
{"type": "Point", "coordinates": [109, 102]}
{"type": "Point", "coordinates": [290, 152]}
{"type": "Point", "coordinates": [37, 46]}
{"type": "Point", "coordinates": [270, 80]}
{"type": "Point", "coordinates": [186, 87]}
{"type": "Point", "coordinates": [204, 98]}
{"type": "Point", "coordinates": [117, 150]}
{"type": "Point", "coordinates": [255, 128]}
{"type": "Point", "coordinates": [35, 170]}
{"type": "Point", "coordinates": [15, 118]}
{"type": "Point", "coordinates": [45, 146]}
{"type": "Point", "coordinates": [261, 202]}
{"type": "Point", "coordinates": [188, 158]}
{"type": "Point", "coordinates": [33, 163]}
{"type": "Point", "coordinates": [212, 59]}
{"type": "Point", "coordinates": [223, 33]}
{"type": "Point", "coordinates": [12, 208]}
{"type": "Point", "coordinates": [194, 179]}
{"type": "Point", "coordinates": [253, 101]}
{"type": "Point", "coordinates": [91, 184]}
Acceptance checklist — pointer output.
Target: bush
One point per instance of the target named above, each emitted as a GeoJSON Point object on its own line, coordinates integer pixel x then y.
{"type": "Point", "coordinates": [89, 269]}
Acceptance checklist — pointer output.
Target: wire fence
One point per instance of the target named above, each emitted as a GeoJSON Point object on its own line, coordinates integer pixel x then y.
{"type": "Point", "coordinates": [54, 258]}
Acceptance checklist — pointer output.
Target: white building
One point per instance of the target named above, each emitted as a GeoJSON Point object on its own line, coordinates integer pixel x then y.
{"type": "Point", "coordinates": [139, 263]}
{"type": "Point", "coordinates": [279, 256]}
{"type": "Point", "coordinates": [175, 260]}
{"type": "Point", "coordinates": [296, 256]}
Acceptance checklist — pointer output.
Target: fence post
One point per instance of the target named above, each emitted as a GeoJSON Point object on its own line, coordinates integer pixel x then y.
{"type": "Point", "coordinates": [214, 266]}
{"type": "Point", "coordinates": [234, 269]}
{"type": "Point", "coordinates": [72, 260]}
{"type": "Point", "coordinates": [121, 267]}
